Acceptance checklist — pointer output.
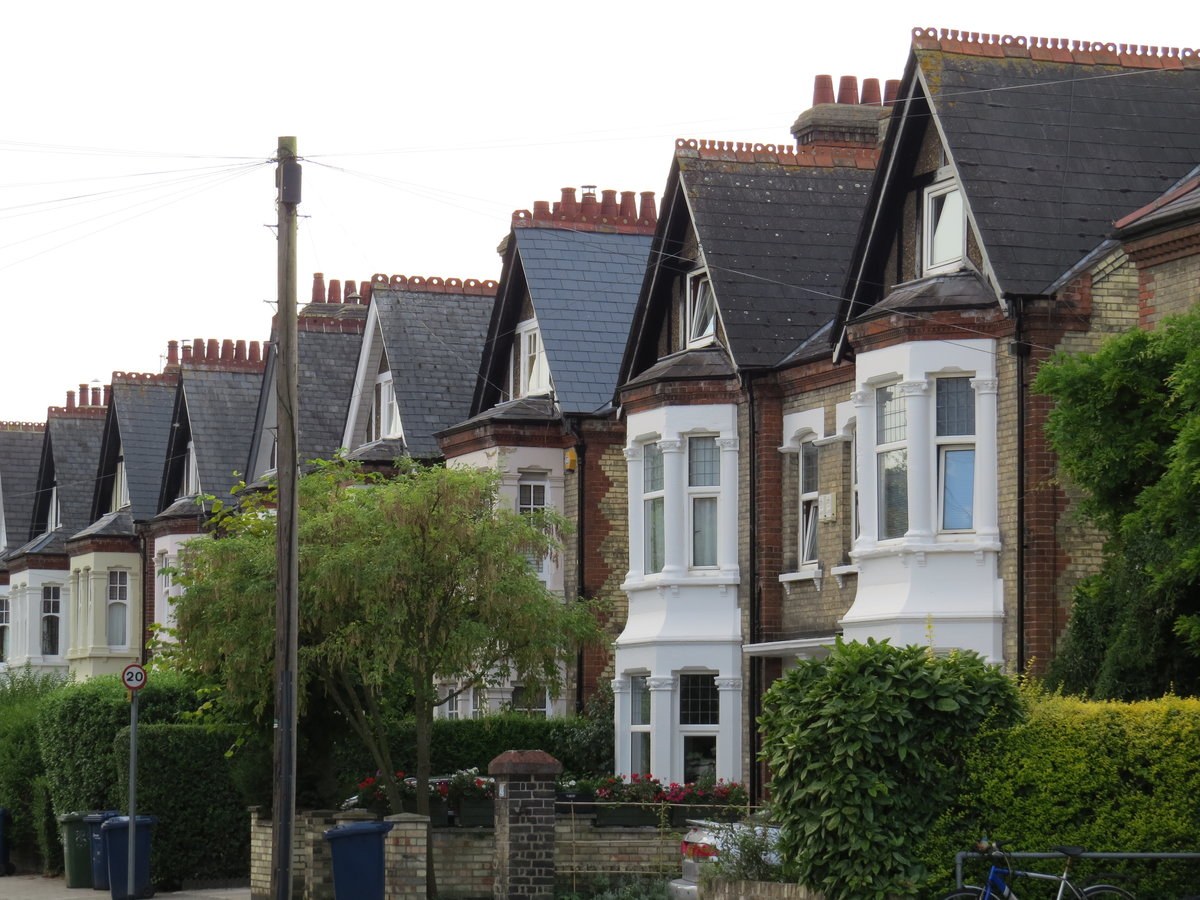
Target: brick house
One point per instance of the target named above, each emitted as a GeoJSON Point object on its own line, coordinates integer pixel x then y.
{"type": "Point", "coordinates": [40, 589]}
{"type": "Point", "coordinates": [752, 245]}
{"type": "Point", "coordinates": [20, 450]}
{"type": "Point", "coordinates": [110, 586]}
{"type": "Point", "coordinates": [986, 246]}
{"type": "Point", "coordinates": [542, 410]}
{"type": "Point", "coordinates": [209, 435]}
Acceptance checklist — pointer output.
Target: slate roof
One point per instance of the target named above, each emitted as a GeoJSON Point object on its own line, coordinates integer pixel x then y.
{"type": "Point", "coordinates": [702, 363]}
{"type": "Point", "coordinates": [139, 417]}
{"type": "Point", "coordinates": [70, 457]}
{"type": "Point", "coordinates": [584, 287]}
{"type": "Point", "coordinates": [1181, 201]}
{"type": "Point", "coordinates": [777, 240]}
{"type": "Point", "coordinates": [433, 340]}
{"type": "Point", "coordinates": [20, 452]}
{"type": "Point", "coordinates": [217, 408]}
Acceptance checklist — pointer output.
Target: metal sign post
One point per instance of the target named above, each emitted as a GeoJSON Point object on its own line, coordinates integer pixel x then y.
{"type": "Point", "coordinates": [134, 678]}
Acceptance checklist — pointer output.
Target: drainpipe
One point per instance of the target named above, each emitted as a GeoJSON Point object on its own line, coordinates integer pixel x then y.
{"type": "Point", "coordinates": [1020, 349]}
{"type": "Point", "coordinates": [756, 663]}
{"type": "Point", "coordinates": [580, 459]}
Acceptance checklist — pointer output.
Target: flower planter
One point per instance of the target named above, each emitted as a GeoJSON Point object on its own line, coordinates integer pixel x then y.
{"type": "Point", "coordinates": [475, 812]}
{"type": "Point", "coordinates": [574, 803]}
{"type": "Point", "coordinates": [439, 813]}
{"type": "Point", "coordinates": [626, 816]}
{"type": "Point", "coordinates": [681, 813]}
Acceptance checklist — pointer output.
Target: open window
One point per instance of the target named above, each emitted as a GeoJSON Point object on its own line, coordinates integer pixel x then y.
{"type": "Point", "coordinates": [701, 310]}
{"type": "Point", "coordinates": [384, 421]}
{"type": "Point", "coordinates": [945, 228]}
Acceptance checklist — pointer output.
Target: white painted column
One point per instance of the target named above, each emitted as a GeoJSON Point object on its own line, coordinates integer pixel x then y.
{"type": "Point", "coordinates": [675, 518]}
{"type": "Point", "coordinates": [727, 507]}
{"type": "Point", "coordinates": [637, 535]}
{"type": "Point", "coordinates": [729, 737]}
{"type": "Point", "coordinates": [96, 601]}
{"type": "Point", "coordinates": [662, 728]}
{"type": "Point", "coordinates": [922, 498]}
{"type": "Point", "coordinates": [868, 472]}
{"type": "Point", "coordinates": [22, 621]}
{"type": "Point", "coordinates": [987, 527]}
{"type": "Point", "coordinates": [621, 761]}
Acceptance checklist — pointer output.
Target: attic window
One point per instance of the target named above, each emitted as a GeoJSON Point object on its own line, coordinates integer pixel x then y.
{"type": "Point", "coordinates": [385, 413]}
{"type": "Point", "coordinates": [120, 491]}
{"type": "Point", "coordinates": [530, 374]}
{"type": "Point", "coordinates": [701, 310]}
{"type": "Point", "coordinates": [945, 233]}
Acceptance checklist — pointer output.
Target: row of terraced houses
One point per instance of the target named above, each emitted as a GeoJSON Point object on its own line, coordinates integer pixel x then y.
{"type": "Point", "coordinates": [791, 402]}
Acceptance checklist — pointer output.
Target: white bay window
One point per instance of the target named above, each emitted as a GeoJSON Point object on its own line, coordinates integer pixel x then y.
{"type": "Point", "coordinates": [891, 454]}
{"type": "Point", "coordinates": [704, 483]}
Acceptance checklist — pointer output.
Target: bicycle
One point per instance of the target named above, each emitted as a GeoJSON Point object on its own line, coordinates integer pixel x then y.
{"type": "Point", "coordinates": [1002, 870]}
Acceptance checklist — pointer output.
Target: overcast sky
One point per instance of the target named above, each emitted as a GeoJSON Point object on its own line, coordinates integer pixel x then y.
{"type": "Point", "coordinates": [136, 184]}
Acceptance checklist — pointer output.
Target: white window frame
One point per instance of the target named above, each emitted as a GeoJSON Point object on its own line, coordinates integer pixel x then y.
{"type": "Point", "coordinates": [653, 499]}
{"type": "Point", "coordinates": [946, 444]}
{"type": "Point", "coordinates": [120, 491]}
{"type": "Point", "coordinates": [51, 609]}
{"type": "Point", "coordinates": [937, 191]}
{"type": "Point", "coordinates": [703, 493]}
{"type": "Point", "coordinates": [705, 729]}
{"type": "Point", "coordinates": [528, 505]}
{"type": "Point", "coordinates": [884, 449]}
{"type": "Point", "coordinates": [384, 419]}
{"type": "Point", "coordinates": [5, 627]}
{"type": "Point", "coordinates": [808, 523]}
{"type": "Point", "coordinates": [640, 732]}
{"type": "Point", "coordinates": [479, 702]}
{"type": "Point", "coordinates": [528, 371]}
{"type": "Point", "coordinates": [191, 472]}
{"type": "Point", "coordinates": [53, 512]}
{"type": "Point", "coordinates": [448, 705]}
{"type": "Point", "coordinates": [701, 330]}
{"type": "Point", "coordinates": [542, 711]}
{"type": "Point", "coordinates": [117, 596]}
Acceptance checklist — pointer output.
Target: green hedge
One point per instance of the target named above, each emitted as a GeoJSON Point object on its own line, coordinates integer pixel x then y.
{"type": "Point", "coordinates": [21, 696]}
{"type": "Point", "coordinates": [186, 780]}
{"type": "Point", "coordinates": [584, 745]}
{"type": "Point", "coordinates": [1105, 776]}
{"type": "Point", "coordinates": [76, 727]}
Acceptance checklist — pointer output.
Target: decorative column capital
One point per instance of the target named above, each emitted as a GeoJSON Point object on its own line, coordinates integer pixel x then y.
{"type": "Point", "coordinates": [862, 399]}
{"type": "Point", "coordinates": [729, 684]}
{"type": "Point", "coordinates": [674, 446]}
{"type": "Point", "coordinates": [985, 385]}
{"type": "Point", "coordinates": [660, 684]}
{"type": "Point", "coordinates": [620, 685]}
{"type": "Point", "coordinates": [727, 443]}
{"type": "Point", "coordinates": [913, 389]}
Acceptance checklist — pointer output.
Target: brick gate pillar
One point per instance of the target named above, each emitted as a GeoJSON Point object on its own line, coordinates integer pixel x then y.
{"type": "Point", "coordinates": [524, 823]}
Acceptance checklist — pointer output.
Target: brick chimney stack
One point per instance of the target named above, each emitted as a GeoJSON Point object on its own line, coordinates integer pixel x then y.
{"type": "Point", "coordinates": [846, 121]}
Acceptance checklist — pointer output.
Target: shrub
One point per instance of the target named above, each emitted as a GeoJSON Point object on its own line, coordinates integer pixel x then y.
{"type": "Point", "coordinates": [21, 695]}
{"type": "Point", "coordinates": [864, 747]}
{"type": "Point", "coordinates": [76, 727]}
{"type": "Point", "coordinates": [1106, 776]}
{"type": "Point", "coordinates": [186, 781]}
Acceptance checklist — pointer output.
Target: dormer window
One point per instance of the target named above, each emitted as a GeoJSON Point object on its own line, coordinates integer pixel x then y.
{"type": "Point", "coordinates": [529, 373]}
{"type": "Point", "coordinates": [385, 413]}
{"type": "Point", "coordinates": [120, 491]}
{"type": "Point", "coordinates": [701, 310]}
{"type": "Point", "coordinates": [53, 513]}
{"type": "Point", "coordinates": [191, 473]}
{"type": "Point", "coordinates": [945, 232]}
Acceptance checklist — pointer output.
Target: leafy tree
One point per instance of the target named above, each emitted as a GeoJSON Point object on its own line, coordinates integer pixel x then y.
{"type": "Point", "coordinates": [864, 748]}
{"type": "Point", "coordinates": [1126, 428]}
{"type": "Point", "coordinates": [404, 582]}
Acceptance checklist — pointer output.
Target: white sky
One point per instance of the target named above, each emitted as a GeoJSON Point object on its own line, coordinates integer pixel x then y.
{"type": "Point", "coordinates": [131, 212]}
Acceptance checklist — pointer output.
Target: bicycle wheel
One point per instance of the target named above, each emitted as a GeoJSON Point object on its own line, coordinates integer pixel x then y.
{"type": "Point", "coordinates": [1107, 892]}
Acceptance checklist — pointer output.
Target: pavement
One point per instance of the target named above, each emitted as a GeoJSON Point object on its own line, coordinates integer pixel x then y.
{"type": "Point", "coordinates": [35, 887]}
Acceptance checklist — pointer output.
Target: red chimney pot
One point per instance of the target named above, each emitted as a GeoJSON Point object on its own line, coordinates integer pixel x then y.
{"type": "Point", "coordinates": [335, 290]}
{"type": "Point", "coordinates": [870, 92]}
{"type": "Point", "coordinates": [95, 396]}
{"type": "Point", "coordinates": [823, 90]}
{"type": "Point", "coordinates": [848, 90]}
{"type": "Point", "coordinates": [70, 399]}
{"type": "Point", "coordinates": [628, 205]}
{"type": "Point", "coordinates": [318, 291]}
{"type": "Point", "coordinates": [172, 353]}
{"type": "Point", "coordinates": [891, 90]}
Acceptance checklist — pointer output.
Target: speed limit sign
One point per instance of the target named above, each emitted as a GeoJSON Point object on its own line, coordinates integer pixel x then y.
{"type": "Point", "coordinates": [134, 677]}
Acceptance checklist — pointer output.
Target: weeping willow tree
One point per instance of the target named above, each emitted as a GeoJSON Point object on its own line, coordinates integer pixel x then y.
{"type": "Point", "coordinates": [405, 581]}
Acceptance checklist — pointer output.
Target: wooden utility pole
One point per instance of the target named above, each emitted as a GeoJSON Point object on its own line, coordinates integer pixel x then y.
{"type": "Point", "coordinates": [287, 179]}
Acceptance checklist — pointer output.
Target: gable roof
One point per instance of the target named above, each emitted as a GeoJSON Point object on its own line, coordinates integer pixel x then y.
{"type": "Point", "coordinates": [1052, 141]}
{"type": "Point", "coordinates": [215, 407]}
{"type": "Point", "coordinates": [584, 287]}
{"type": "Point", "coordinates": [775, 225]}
{"type": "Point", "coordinates": [581, 263]}
{"type": "Point", "coordinates": [69, 461]}
{"type": "Point", "coordinates": [138, 425]}
{"type": "Point", "coordinates": [20, 452]}
{"type": "Point", "coordinates": [1180, 202]}
{"type": "Point", "coordinates": [433, 331]}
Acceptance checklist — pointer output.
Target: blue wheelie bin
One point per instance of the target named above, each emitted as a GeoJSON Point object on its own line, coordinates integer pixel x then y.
{"type": "Point", "coordinates": [357, 850]}
{"type": "Point", "coordinates": [116, 839]}
{"type": "Point", "coordinates": [6, 866]}
{"type": "Point", "coordinates": [99, 848]}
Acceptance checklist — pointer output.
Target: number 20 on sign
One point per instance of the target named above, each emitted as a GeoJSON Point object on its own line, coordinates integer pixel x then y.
{"type": "Point", "coordinates": [133, 677]}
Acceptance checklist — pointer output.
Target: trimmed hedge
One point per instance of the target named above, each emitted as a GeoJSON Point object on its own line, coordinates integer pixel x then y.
{"type": "Point", "coordinates": [1106, 776]}
{"type": "Point", "coordinates": [584, 745]}
{"type": "Point", "coordinates": [76, 727]}
{"type": "Point", "coordinates": [21, 696]}
{"type": "Point", "coordinates": [186, 780]}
